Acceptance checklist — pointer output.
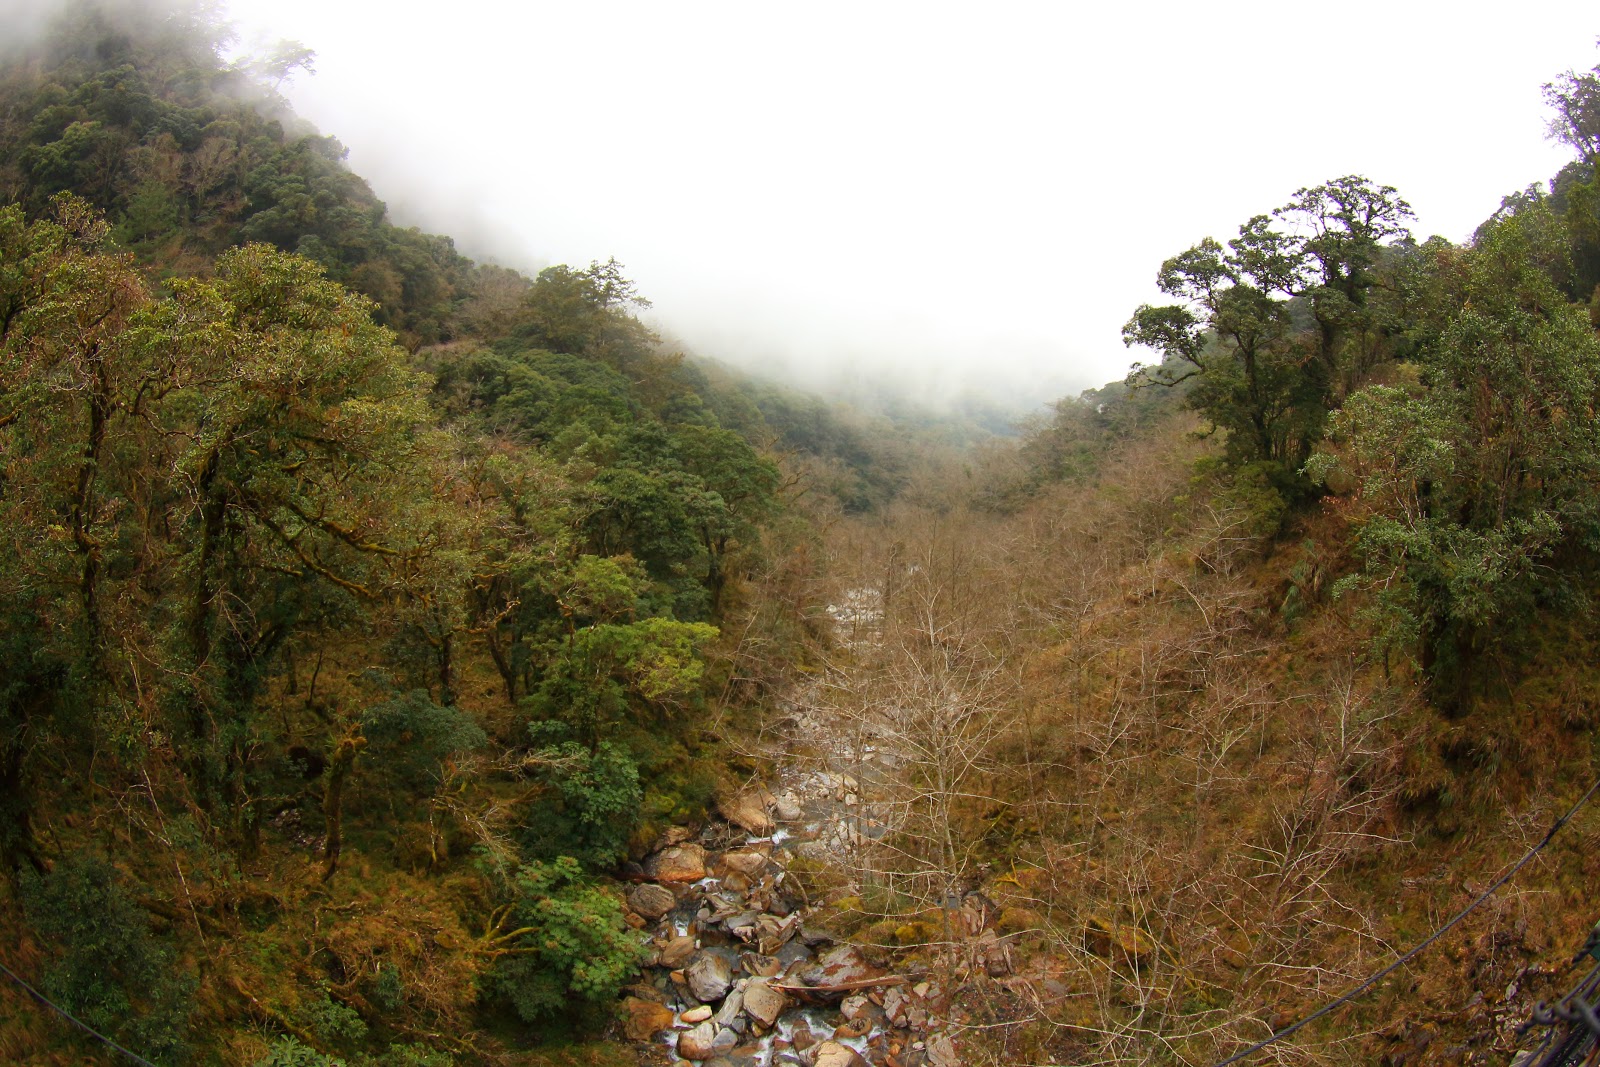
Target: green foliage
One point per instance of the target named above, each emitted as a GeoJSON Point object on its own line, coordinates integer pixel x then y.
{"type": "Point", "coordinates": [1480, 480]}
{"type": "Point", "coordinates": [106, 968]}
{"type": "Point", "coordinates": [406, 1056]}
{"type": "Point", "coordinates": [592, 804]}
{"type": "Point", "coordinates": [1280, 325]}
{"type": "Point", "coordinates": [333, 1021]}
{"type": "Point", "coordinates": [226, 488]}
{"type": "Point", "coordinates": [602, 672]}
{"type": "Point", "coordinates": [572, 948]}
{"type": "Point", "coordinates": [289, 1052]}
{"type": "Point", "coordinates": [411, 736]}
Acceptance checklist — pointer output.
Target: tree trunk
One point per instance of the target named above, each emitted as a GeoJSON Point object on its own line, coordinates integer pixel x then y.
{"type": "Point", "coordinates": [344, 757]}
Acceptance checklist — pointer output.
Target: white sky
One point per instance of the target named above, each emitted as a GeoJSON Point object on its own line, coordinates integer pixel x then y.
{"type": "Point", "coordinates": [975, 193]}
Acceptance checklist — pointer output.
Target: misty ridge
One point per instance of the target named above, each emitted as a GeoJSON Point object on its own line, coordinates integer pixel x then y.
{"type": "Point", "coordinates": [843, 363]}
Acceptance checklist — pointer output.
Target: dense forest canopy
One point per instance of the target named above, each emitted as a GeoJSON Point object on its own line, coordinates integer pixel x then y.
{"type": "Point", "coordinates": [311, 520]}
{"type": "Point", "coordinates": [366, 612]}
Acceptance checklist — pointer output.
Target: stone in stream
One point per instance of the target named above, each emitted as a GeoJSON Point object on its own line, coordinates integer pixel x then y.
{"type": "Point", "coordinates": [840, 965]}
{"type": "Point", "coordinates": [801, 1037]}
{"type": "Point", "coordinates": [744, 925]}
{"type": "Point", "coordinates": [794, 952]}
{"type": "Point", "coordinates": [749, 864]}
{"type": "Point", "coordinates": [719, 906]}
{"type": "Point", "coordinates": [677, 863]}
{"type": "Point", "coordinates": [676, 952]}
{"type": "Point", "coordinates": [696, 1044]}
{"type": "Point", "coordinates": [772, 933]}
{"type": "Point", "coordinates": [696, 1015]}
{"type": "Point", "coordinates": [644, 1019]}
{"type": "Point", "coordinates": [732, 1006]}
{"type": "Point", "coordinates": [708, 976]}
{"type": "Point", "coordinates": [748, 811]}
{"type": "Point", "coordinates": [763, 1003]}
{"type": "Point", "coordinates": [894, 1006]}
{"type": "Point", "coordinates": [727, 1040]}
{"type": "Point", "coordinates": [833, 1054]}
{"type": "Point", "coordinates": [760, 966]}
{"type": "Point", "coordinates": [652, 901]}
{"type": "Point", "coordinates": [942, 1052]}
{"type": "Point", "coordinates": [854, 1006]}
{"type": "Point", "coordinates": [786, 806]}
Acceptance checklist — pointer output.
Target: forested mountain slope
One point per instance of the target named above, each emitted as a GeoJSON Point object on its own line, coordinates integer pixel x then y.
{"type": "Point", "coordinates": [360, 605]}
{"type": "Point", "coordinates": [1284, 651]}
{"type": "Point", "coordinates": [364, 611]}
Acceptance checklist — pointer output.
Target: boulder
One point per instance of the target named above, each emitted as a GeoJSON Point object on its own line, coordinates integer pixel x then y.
{"type": "Point", "coordinates": [839, 966]}
{"type": "Point", "coordinates": [760, 966]}
{"type": "Point", "coordinates": [696, 1015]}
{"type": "Point", "coordinates": [792, 953]}
{"type": "Point", "coordinates": [644, 1019]}
{"type": "Point", "coordinates": [786, 806]}
{"type": "Point", "coordinates": [708, 976]}
{"type": "Point", "coordinates": [749, 864]}
{"type": "Point", "coordinates": [815, 935]}
{"type": "Point", "coordinates": [763, 1003]}
{"type": "Point", "coordinates": [677, 863]}
{"type": "Point", "coordinates": [942, 1052]}
{"type": "Point", "coordinates": [696, 1044]}
{"type": "Point", "coordinates": [1019, 920]}
{"type": "Point", "coordinates": [833, 1054]}
{"type": "Point", "coordinates": [772, 933]}
{"type": "Point", "coordinates": [1109, 939]}
{"type": "Point", "coordinates": [676, 952]}
{"type": "Point", "coordinates": [652, 901]}
{"type": "Point", "coordinates": [801, 1037]}
{"type": "Point", "coordinates": [748, 811]}
{"type": "Point", "coordinates": [894, 1006]}
{"type": "Point", "coordinates": [732, 1005]}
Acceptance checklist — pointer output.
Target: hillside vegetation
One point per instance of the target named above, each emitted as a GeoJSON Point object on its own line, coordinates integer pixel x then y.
{"type": "Point", "coordinates": [1234, 681]}
{"type": "Point", "coordinates": [365, 611]}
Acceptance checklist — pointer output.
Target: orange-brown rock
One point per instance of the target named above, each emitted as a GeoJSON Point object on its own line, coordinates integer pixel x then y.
{"type": "Point", "coordinates": [644, 1019]}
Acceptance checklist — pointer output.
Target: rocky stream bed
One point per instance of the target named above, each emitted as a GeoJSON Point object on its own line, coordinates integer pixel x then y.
{"type": "Point", "coordinates": [738, 977]}
{"type": "Point", "coordinates": [740, 973]}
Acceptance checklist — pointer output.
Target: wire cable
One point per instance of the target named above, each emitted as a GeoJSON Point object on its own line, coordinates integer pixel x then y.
{"type": "Point", "coordinates": [74, 1020]}
{"type": "Point", "coordinates": [1345, 998]}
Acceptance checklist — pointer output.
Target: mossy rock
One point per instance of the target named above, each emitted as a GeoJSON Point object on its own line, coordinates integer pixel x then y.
{"type": "Point", "coordinates": [917, 933]}
{"type": "Point", "coordinates": [882, 932]}
{"type": "Point", "coordinates": [1110, 939]}
{"type": "Point", "coordinates": [1019, 920]}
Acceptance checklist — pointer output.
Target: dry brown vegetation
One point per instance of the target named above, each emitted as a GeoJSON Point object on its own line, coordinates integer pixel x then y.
{"type": "Point", "coordinates": [1138, 740]}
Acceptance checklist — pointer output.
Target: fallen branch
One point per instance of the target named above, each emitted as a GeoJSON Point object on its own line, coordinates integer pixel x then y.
{"type": "Point", "coordinates": [842, 987]}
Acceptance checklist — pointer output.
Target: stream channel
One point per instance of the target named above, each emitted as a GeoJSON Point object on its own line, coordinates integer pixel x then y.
{"type": "Point", "coordinates": [738, 974]}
